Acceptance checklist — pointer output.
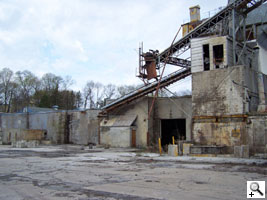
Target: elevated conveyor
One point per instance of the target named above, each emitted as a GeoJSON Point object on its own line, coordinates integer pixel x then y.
{"type": "Point", "coordinates": [165, 81]}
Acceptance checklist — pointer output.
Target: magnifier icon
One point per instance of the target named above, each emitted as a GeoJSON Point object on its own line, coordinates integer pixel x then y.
{"type": "Point", "coordinates": [254, 186]}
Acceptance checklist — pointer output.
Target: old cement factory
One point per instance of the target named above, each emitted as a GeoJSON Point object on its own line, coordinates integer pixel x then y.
{"type": "Point", "coordinates": [226, 113]}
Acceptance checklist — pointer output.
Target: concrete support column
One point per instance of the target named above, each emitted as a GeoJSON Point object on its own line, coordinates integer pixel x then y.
{"type": "Point", "coordinates": [262, 107]}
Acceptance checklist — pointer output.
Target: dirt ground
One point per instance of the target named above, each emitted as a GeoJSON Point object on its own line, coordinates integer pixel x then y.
{"type": "Point", "coordinates": [75, 172]}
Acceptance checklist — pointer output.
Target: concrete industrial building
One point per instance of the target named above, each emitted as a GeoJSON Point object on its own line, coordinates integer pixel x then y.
{"type": "Point", "coordinates": [229, 84]}
{"type": "Point", "coordinates": [227, 109]}
{"type": "Point", "coordinates": [129, 126]}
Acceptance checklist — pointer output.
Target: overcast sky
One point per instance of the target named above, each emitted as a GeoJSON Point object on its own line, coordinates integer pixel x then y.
{"type": "Point", "coordinates": [89, 39]}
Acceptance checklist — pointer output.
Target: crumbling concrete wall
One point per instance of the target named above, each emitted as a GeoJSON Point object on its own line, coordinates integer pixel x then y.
{"type": "Point", "coordinates": [13, 135]}
{"type": "Point", "coordinates": [60, 129]}
{"type": "Point", "coordinates": [220, 133]}
{"type": "Point", "coordinates": [257, 133]}
{"type": "Point", "coordinates": [214, 93]}
{"type": "Point", "coordinates": [148, 130]}
{"type": "Point", "coordinates": [231, 132]}
{"type": "Point", "coordinates": [227, 91]}
{"type": "Point", "coordinates": [84, 127]}
{"type": "Point", "coordinates": [116, 136]}
{"type": "Point", "coordinates": [223, 102]}
{"type": "Point", "coordinates": [173, 108]}
{"type": "Point", "coordinates": [52, 122]}
{"type": "Point", "coordinates": [139, 108]}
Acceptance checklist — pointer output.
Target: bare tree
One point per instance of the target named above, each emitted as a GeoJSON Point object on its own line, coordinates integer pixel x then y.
{"type": "Point", "coordinates": [51, 82]}
{"type": "Point", "coordinates": [6, 87]}
{"type": "Point", "coordinates": [78, 99]}
{"type": "Point", "coordinates": [99, 94]}
{"type": "Point", "coordinates": [125, 89]}
{"type": "Point", "coordinates": [88, 94]}
{"type": "Point", "coordinates": [67, 82]}
{"type": "Point", "coordinates": [109, 91]}
{"type": "Point", "coordinates": [27, 83]}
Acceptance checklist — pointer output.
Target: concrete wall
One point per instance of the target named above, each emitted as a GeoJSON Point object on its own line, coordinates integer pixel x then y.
{"type": "Point", "coordinates": [148, 130]}
{"type": "Point", "coordinates": [257, 133]}
{"type": "Point", "coordinates": [221, 101]}
{"type": "Point", "coordinates": [214, 93]}
{"type": "Point", "coordinates": [116, 136]}
{"type": "Point", "coordinates": [225, 91]}
{"type": "Point", "coordinates": [172, 108]}
{"type": "Point", "coordinates": [73, 126]}
{"type": "Point", "coordinates": [84, 127]}
{"type": "Point", "coordinates": [229, 133]}
{"type": "Point", "coordinates": [262, 60]}
{"type": "Point", "coordinates": [13, 135]}
{"type": "Point", "coordinates": [53, 122]}
{"type": "Point", "coordinates": [139, 108]}
{"type": "Point", "coordinates": [232, 132]}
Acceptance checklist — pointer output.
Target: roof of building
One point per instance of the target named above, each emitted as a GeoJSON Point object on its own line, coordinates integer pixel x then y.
{"type": "Point", "coordinates": [119, 121]}
{"type": "Point", "coordinates": [33, 109]}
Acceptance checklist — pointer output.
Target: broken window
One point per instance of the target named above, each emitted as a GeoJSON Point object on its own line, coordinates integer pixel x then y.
{"type": "Point", "coordinates": [206, 57]}
{"type": "Point", "coordinates": [218, 56]}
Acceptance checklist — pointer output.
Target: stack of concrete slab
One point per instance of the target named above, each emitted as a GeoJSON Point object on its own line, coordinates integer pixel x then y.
{"type": "Point", "coordinates": [25, 144]}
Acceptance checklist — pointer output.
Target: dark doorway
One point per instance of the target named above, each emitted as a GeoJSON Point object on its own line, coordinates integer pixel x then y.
{"type": "Point", "coordinates": [218, 55]}
{"type": "Point", "coordinates": [206, 57]}
{"type": "Point", "coordinates": [172, 127]}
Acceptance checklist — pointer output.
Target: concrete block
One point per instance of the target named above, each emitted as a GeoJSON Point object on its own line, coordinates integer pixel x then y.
{"type": "Point", "coordinates": [172, 150]}
{"type": "Point", "coordinates": [32, 143]}
{"type": "Point", "coordinates": [20, 144]}
{"type": "Point", "coordinates": [46, 142]}
{"type": "Point", "coordinates": [186, 148]}
{"type": "Point", "coordinates": [244, 151]}
{"type": "Point", "coordinates": [237, 151]}
{"type": "Point", "coordinates": [25, 144]}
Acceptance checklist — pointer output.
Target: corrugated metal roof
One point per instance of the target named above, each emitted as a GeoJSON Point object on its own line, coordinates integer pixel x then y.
{"type": "Point", "coordinates": [119, 121]}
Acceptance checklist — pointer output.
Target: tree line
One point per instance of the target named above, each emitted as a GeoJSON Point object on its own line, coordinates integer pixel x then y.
{"type": "Point", "coordinates": [23, 88]}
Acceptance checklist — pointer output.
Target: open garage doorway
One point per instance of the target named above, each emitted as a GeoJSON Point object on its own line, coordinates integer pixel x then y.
{"type": "Point", "coordinates": [172, 127]}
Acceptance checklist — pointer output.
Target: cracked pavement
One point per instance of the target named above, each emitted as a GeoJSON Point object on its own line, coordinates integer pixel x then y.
{"type": "Point", "coordinates": [72, 172]}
